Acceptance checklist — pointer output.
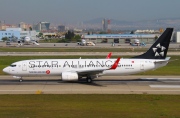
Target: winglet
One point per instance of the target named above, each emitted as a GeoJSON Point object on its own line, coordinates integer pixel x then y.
{"type": "Point", "coordinates": [109, 55]}
{"type": "Point", "coordinates": [114, 66]}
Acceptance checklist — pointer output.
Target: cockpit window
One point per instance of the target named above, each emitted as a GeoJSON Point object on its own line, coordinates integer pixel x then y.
{"type": "Point", "coordinates": [13, 65]}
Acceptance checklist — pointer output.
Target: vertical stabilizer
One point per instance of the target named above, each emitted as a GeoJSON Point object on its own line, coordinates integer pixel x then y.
{"type": "Point", "coordinates": [159, 49]}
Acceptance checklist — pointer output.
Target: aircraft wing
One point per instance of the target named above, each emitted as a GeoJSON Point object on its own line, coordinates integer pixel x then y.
{"type": "Point", "coordinates": [97, 71]}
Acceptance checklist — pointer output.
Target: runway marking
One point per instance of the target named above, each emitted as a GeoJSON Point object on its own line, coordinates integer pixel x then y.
{"type": "Point", "coordinates": [164, 86]}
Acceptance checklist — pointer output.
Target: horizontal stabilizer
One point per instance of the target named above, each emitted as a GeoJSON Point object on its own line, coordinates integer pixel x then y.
{"type": "Point", "coordinates": [164, 60]}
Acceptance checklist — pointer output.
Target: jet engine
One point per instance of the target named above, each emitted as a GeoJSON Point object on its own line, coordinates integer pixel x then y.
{"type": "Point", "coordinates": [69, 76]}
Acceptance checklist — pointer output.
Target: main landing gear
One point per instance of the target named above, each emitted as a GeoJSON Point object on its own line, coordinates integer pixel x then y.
{"type": "Point", "coordinates": [20, 80]}
{"type": "Point", "coordinates": [89, 79]}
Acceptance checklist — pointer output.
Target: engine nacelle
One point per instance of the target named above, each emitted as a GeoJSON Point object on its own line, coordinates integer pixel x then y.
{"type": "Point", "coordinates": [27, 39]}
{"type": "Point", "coordinates": [69, 76]}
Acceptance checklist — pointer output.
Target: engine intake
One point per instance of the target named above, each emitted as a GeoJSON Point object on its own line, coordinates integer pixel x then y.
{"type": "Point", "coordinates": [69, 76]}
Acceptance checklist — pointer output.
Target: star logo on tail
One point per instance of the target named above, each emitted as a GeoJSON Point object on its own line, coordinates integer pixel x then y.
{"type": "Point", "coordinates": [159, 50]}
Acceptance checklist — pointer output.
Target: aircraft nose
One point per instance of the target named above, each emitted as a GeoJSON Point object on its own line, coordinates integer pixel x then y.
{"type": "Point", "coordinates": [6, 70]}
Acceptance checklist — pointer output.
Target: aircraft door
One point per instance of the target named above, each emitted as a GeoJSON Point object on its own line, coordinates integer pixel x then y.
{"type": "Point", "coordinates": [142, 65]}
{"type": "Point", "coordinates": [24, 66]}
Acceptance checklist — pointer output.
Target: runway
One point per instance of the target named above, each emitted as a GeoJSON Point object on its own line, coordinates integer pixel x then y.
{"type": "Point", "coordinates": [102, 85]}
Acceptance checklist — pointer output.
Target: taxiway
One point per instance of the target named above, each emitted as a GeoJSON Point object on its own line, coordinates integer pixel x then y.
{"type": "Point", "coordinates": [102, 85]}
{"type": "Point", "coordinates": [74, 45]}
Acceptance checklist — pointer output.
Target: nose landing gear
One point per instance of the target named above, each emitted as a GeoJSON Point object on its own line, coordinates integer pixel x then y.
{"type": "Point", "coordinates": [17, 77]}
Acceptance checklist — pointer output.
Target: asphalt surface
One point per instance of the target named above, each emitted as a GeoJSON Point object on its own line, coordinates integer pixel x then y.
{"type": "Point", "coordinates": [74, 45]}
{"type": "Point", "coordinates": [75, 53]}
{"type": "Point", "coordinates": [102, 85]}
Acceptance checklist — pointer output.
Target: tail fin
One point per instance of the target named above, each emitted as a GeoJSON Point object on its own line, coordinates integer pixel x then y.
{"type": "Point", "coordinates": [159, 49]}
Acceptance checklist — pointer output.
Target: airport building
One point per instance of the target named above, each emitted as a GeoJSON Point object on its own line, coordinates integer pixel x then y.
{"type": "Point", "coordinates": [24, 26]}
{"type": "Point", "coordinates": [5, 26]}
{"type": "Point", "coordinates": [49, 35]}
{"type": "Point", "coordinates": [42, 26]}
{"type": "Point", "coordinates": [31, 34]}
{"type": "Point", "coordinates": [10, 33]}
{"type": "Point", "coordinates": [106, 25]}
{"type": "Point", "coordinates": [61, 28]}
{"type": "Point", "coordinates": [120, 38]}
{"type": "Point", "coordinates": [177, 37]}
{"type": "Point", "coordinates": [17, 32]}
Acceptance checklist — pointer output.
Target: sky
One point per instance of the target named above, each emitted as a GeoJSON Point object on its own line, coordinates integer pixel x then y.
{"type": "Point", "coordinates": [73, 11]}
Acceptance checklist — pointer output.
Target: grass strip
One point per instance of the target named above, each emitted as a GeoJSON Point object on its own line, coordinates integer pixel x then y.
{"type": "Point", "coordinates": [89, 106]}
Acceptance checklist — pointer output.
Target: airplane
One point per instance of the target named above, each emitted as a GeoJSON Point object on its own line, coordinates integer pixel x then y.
{"type": "Point", "coordinates": [76, 69]}
{"type": "Point", "coordinates": [84, 43]}
{"type": "Point", "coordinates": [27, 40]}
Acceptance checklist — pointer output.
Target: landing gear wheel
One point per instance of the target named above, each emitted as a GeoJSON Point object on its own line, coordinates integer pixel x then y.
{"type": "Point", "coordinates": [89, 80]}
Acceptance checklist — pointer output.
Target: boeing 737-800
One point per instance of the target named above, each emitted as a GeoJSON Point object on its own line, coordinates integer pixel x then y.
{"type": "Point", "coordinates": [75, 69]}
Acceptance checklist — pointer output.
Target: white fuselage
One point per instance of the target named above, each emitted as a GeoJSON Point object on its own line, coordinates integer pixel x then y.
{"type": "Point", "coordinates": [55, 67]}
